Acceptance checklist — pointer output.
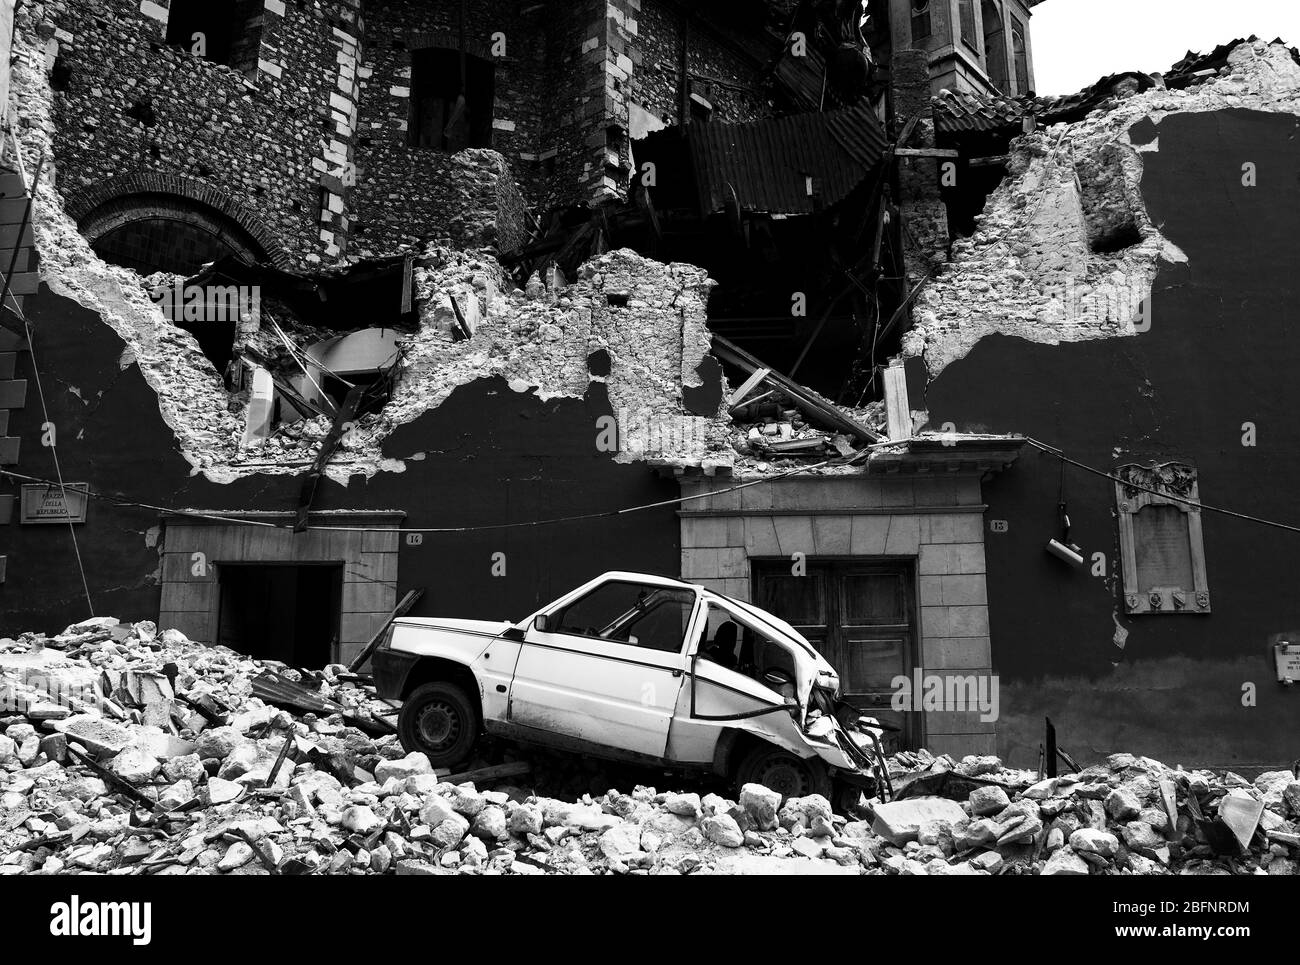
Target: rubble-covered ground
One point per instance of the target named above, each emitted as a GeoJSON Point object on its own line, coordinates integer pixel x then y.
{"type": "Point", "coordinates": [126, 751]}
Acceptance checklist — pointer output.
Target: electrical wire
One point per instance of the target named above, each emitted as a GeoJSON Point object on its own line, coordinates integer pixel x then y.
{"type": "Point", "coordinates": [1060, 454]}
{"type": "Point", "coordinates": [216, 517]}
{"type": "Point", "coordinates": [40, 391]}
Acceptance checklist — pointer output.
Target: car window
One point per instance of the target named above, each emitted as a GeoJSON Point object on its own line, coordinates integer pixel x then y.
{"type": "Point", "coordinates": [732, 642]}
{"type": "Point", "coordinates": [637, 614]}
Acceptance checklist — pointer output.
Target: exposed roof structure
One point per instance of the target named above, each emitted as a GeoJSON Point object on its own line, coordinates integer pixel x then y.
{"type": "Point", "coordinates": [966, 111]}
{"type": "Point", "coordinates": [766, 165]}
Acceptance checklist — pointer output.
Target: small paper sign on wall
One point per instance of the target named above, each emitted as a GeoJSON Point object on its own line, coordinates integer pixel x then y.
{"type": "Point", "coordinates": [44, 503]}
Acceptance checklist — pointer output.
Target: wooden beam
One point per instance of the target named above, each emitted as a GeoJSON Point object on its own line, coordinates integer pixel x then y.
{"type": "Point", "coordinates": [296, 399]}
{"type": "Point", "coordinates": [342, 422]}
{"type": "Point", "coordinates": [897, 412]}
{"type": "Point", "coordinates": [747, 387]}
{"type": "Point", "coordinates": [926, 152]}
{"type": "Point", "coordinates": [496, 772]}
{"type": "Point", "coordinates": [818, 411]}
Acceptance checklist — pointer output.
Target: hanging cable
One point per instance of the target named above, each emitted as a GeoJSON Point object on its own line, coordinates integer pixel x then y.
{"type": "Point", "coordinates": [1060, 454]}
{"type": "Point", "coordinates": [216, 517]}
{"type": "Point", "coordinates": [46, 425]}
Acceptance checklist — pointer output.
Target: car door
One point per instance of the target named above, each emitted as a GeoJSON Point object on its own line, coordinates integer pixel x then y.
{"type": "Point", "coordinates": [726, 689]}
{"type": "Point", "coordinates": [606, 667]}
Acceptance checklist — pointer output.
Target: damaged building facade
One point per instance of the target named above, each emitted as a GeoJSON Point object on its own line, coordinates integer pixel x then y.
{"type": "Point", "coordinates": [540, 290]}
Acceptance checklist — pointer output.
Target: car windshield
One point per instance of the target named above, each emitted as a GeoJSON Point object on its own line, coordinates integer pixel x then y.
{"type": "Point", "coordinates": [637, 614]}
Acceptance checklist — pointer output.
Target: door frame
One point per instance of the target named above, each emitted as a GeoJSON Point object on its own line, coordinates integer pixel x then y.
{"type": "Point", "coordinates": [335, 598]}
{"type": "Point", "coordinates": [914, 734]}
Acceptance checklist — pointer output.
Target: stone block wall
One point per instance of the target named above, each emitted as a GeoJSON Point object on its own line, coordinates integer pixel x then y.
{"type": "Point", "coordinates": [655, 85]}
{"type": "Point", "coordinates": [127, 103]}
{"type": "Point", "coordinates": [937, 521]}
{"type": "Point", "coordinates": [404, 193]}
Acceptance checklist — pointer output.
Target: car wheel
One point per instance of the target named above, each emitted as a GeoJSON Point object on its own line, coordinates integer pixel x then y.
{"type": "Point", "coordinates": [441, 721]}
{"type": "Point", "coordinates": [783, 772]}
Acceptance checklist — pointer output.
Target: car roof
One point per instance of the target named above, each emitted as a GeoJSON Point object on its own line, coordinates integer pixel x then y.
{"type": "Point", "coordinates": [654, 578]}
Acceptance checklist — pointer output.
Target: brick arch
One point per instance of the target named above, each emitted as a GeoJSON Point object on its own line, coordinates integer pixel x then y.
{"type": "Point", "coordinates": [102, 207]}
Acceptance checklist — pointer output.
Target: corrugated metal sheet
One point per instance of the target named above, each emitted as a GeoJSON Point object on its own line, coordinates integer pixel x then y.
{"type": "Point", "coordinates": [765, 165]}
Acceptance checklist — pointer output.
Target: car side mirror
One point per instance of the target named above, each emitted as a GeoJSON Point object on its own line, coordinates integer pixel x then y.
{"type": "Point", "coordinates": [542, 623]}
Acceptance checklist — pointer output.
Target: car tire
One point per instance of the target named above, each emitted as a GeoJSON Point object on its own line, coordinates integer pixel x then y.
{"type": "Point", "coordinates": [441, 721]}
{"type": "Point", "coordinates": [779, 770]}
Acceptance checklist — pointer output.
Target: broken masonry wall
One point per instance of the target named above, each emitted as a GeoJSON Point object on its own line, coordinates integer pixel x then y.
{"type": "Point", "coordinates": [406, 194]}
{"type": "Point", "coordinates": [656, 82]}
{"type": "Point", "coordinates": [492, 453]}
{"type": "Point", "coordinates": [132, 112]}
{"type": "Point", "coordinates": [1065, 249]}
{"type": "Point", "coordinates": [6, 46]}
{"type": "Point", "coordinates": [648, 321]}
{"type": "Point", "coordinates": [921, 205]}
{"type": "Point", "coordinates": [209, 424]}
{"type": "Point", "coordinates": [1201, 380]}
{"type": "Point", "coordinates": [188, 391]}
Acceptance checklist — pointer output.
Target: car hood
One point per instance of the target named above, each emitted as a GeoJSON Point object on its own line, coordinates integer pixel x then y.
{"type": "Point", "coordinates": [486, 628]}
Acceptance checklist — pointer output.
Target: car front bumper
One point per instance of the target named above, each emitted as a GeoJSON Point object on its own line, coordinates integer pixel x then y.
{"type": "Point", "coordinates": [392, 668]}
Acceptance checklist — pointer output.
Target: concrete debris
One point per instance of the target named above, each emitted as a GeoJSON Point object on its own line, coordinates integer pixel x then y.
{"type": "Point", "coordinates": [190, 791]}
{"type": "Point", "coordinates": [1065, 249]}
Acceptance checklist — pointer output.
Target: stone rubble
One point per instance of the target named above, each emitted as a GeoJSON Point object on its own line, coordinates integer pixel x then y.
{"type": "Point", "coordinates": [175, 724]}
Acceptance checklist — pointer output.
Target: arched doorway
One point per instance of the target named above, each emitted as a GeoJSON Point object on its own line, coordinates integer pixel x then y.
{"type": "Point", "coordinates": [995, 45]}
{"type": "Point", "coordinates": [156, 232]}
{"type": "Point", "coordinates": [150, 221]}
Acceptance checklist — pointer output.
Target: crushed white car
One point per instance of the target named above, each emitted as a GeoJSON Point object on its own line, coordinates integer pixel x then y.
{"type": "Point", "coordinates": [637, 668]}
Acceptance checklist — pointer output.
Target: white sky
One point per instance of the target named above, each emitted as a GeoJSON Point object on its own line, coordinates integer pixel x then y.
{"type": "Point", "coordinates": [1076, 42]}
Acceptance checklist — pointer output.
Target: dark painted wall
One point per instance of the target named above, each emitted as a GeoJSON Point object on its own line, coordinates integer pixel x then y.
{"type": "Point", "coordinates": [1221, 351]}
{"type": "Point", "coordinates": [491, 455]}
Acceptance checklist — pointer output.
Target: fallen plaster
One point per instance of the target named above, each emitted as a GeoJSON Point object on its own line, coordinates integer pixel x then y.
{"type": "Point", "coordinates": [649, 318]}
{"type": "Point", "coordinates": [1030, 269]}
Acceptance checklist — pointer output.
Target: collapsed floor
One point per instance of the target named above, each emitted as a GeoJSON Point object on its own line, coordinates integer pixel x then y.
{"type": "Point", "coordinates": [127, 751]}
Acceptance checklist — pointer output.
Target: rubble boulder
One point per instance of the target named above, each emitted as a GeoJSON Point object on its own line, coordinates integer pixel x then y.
{"type": "Point", "coordinates": [988, 800]}
{"type": "Point", "coordinates": [722, 829]}
{"type": "Point", "coordinates": [216, 744]}
{"type": "Point", "coordinates": [801, 812]}
{"type": "Point", "coordinates": [409, 766]}
{"type": "Point", "coordinates": [1122, 804]}
{"type": "Point", "coordinates": [1065, 862]}
{"type": "Point", "coordinates": [187, 767]}
{"type": "Point", "coordinates": [135, 766]}
{"type": "Point", "coordinates": [490, 823]}
{"type": "Point", "coordinates": [760, 805]}
{"type": "Point", "coordinates": [1096, 842]}
{"type": "Point", "coordinates": [899, 822]}
{"type": "Point", "coordinates": [360, 819]}
{"type": "Point", "coordinates": [683, 805]}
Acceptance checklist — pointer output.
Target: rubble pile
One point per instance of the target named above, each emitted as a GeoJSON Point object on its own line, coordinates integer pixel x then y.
{"type": "Point", "coordinates": [1065, 249]}
{"type": "Point", "coordinates": [126, 751]}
